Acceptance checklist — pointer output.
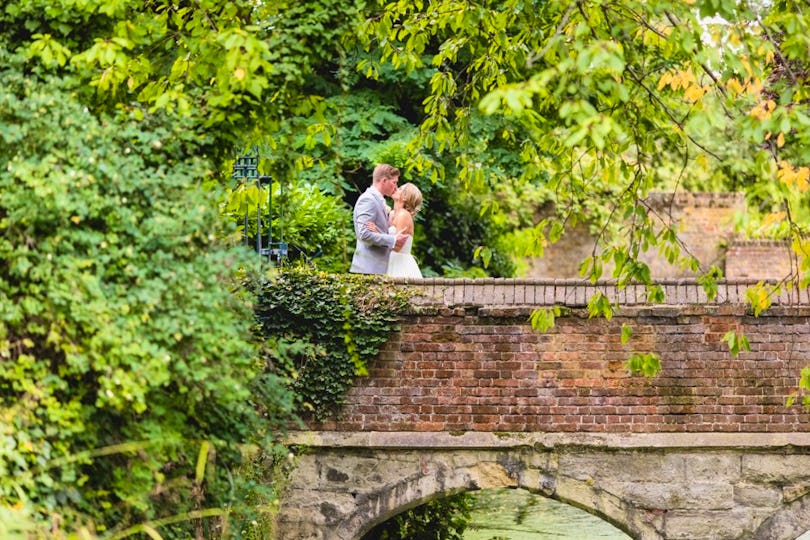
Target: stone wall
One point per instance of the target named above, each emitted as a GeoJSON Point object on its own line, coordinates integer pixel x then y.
{"type": "Point", "coordinates": [486, 369]}
{"type": "Point", "coordinates": [653, 488]}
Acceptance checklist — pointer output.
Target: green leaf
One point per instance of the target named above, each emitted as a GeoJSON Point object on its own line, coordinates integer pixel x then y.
{"type": "Point", "coordinates": [708, 281]}
{"type": "Point", "coordinates": [599, 306]}
{"type": "Point", "coordinates": [543, 319]}
{"type": "Point", "coordinates": [202, 461]}
{"type": "Point", "coordinates": [736, 342]}
{"type": "Point", "coordinates": [648, 364]}
{"type": "Point", "coordinates": [484, 253]}
{"type": "Point", "coordinates": [627, 332]}
{"type": "Point", "coordinates": [655, 294]}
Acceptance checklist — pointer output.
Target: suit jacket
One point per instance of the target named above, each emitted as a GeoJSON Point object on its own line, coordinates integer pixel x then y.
{"type": "Point", "coordinates": [373, 248]}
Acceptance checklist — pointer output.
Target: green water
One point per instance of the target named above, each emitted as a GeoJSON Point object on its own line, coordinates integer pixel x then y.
{"type": "Point", "coordinates": [516, 514]}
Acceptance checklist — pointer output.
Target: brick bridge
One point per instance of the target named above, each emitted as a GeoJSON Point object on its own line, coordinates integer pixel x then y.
{"type": "Point", "coordinates": [468, 396]}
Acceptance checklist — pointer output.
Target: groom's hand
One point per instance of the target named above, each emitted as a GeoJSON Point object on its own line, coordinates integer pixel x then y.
{"type": "Point", "coordinates": [400, 241]}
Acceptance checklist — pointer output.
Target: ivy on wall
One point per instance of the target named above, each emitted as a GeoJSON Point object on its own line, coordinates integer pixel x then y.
{"type": "Point", "coordinates": [322, 329]}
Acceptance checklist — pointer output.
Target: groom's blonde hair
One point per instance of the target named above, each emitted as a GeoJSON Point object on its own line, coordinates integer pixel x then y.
{"type": "Point", "coordinates": [383, 170]}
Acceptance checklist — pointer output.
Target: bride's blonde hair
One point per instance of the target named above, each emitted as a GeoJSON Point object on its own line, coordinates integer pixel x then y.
{"type": "Point", "coordinates": [411, 198]}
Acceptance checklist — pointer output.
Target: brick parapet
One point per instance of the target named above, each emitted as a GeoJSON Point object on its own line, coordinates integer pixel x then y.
{"type": "Point", "coordinates": [482, 369]}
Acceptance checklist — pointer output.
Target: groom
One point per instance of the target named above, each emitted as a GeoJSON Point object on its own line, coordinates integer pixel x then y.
{"type": "Point", "coordinates": [373, 248]}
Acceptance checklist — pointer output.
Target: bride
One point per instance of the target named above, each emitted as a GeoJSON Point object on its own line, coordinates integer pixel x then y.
{"type": "Point", "coordinates": [407, 202]}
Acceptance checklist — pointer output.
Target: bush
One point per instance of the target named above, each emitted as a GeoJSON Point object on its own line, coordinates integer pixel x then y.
{"type": "Point", "coordinates": [314, 226]}
{"type": "Point", "coordinates": [128, 378]}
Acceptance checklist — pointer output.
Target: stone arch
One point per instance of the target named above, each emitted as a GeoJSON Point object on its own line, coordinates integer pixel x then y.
{"type": "Point", "coordinates": [590, 497]}
{"type": "Point", "coordinates": [355, 522]}
{"type": "Point", "coordinates": [441, 475]}
{"type": "Point", "coordinates": [787, 523]}
{"type": "Point", "coordinates": [651, 493]}
{"type": "Point", "coordinates": [449, 474]}
{"type": "Point", "coordinates": [621, 520]}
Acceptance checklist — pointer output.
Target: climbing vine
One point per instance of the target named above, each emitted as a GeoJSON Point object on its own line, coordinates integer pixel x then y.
{"type": "Point", "coordinates": [322, 330]}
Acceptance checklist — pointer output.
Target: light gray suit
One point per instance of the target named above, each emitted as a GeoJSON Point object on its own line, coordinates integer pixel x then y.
{"type": "Point", "coordinates": [373, 248]}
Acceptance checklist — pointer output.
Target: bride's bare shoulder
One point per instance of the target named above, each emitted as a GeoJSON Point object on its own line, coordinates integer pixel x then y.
{"type": "Point", "coordinates": [403, 221]}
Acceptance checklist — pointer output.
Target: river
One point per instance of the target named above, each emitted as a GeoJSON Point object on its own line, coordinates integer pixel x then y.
{"type": "Point", "coordinates": [516, 514]}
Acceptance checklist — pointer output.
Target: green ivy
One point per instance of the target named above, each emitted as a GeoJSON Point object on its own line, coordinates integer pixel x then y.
{"type": "Point", "coordinates": [322, 330]}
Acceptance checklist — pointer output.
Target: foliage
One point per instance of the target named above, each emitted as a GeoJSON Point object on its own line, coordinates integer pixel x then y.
{"type": "Point", "coordinates": [648, 364]}
{"type": "Point", "coordinates": [440, 519]}
{"type": "Point", "coordinates": [361, 122]}
{"type": "Point", "coordinates": [544, 319]}
{"type": "Point", "coordinates": [736, 342]}
{"type": "Point", "coordinates": [324, 329]}
{"type": "Point", "coordinates": [210, 64]}
{"type": "Point", "coordinates": [313, 225]}
{"type": "Point", "coordinates": [804, 389]}
{"type": "Point", "coordinates": [125, 349]}
{"type": "Point", "coordinates": [453, 228]}
{"type": "Point", "coordinates": [129, 382]}
{"type": "Point", "coordinates": [609, 95]}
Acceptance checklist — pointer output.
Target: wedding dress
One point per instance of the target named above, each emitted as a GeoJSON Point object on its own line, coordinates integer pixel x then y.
{"type": "Point", "coordinates": [401, 263]}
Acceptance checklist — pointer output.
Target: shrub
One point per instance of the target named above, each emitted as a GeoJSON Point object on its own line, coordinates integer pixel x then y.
{"type": "Point", "coordinates": [127, 373]}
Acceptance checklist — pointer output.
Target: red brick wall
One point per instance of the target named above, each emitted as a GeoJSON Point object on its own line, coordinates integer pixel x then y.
{"type": "Point", "coordinates": [478, 369]}
{"type": "Point", "coordinates": [758, 259]}
{"type": "Point", "coordinates": [705, 224]}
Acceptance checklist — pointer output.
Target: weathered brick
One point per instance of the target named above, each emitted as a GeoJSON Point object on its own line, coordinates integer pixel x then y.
{"type": "Point", "coordinates": [457, 369]}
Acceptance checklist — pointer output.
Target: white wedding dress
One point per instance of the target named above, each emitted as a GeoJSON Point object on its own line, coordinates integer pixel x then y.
{"type": "Point", "coordinates": [401, 263]}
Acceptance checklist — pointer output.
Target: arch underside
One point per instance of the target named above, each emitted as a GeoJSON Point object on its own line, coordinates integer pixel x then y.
{"type": "Point", "coordinates": [505, 471]}
{"type": "Point", "coordinates": [541, 473]}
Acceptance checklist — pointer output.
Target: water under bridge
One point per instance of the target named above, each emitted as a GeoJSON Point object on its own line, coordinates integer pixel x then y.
{"type": "Point", "coordinates": [467, 396]}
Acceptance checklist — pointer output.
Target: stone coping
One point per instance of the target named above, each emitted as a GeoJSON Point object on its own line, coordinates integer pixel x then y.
{"type": "Point", "coordinates": [578, 292]}
{"type": "Point", "coordinates": [539, 440]}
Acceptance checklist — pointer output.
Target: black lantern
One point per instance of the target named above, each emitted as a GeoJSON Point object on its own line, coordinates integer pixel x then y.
{"type": "Point", "coordinates": [246, 169]}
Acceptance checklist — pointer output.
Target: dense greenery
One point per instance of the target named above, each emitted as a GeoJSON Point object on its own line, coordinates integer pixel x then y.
{"type": "Point", "coordinates": [324, 329]}
{"type": "Point", "coordinates": [130, 382]}
{"type": "Point", "coordinates": [611, 100]}
{"type": "Point", "coordinates": [126, 356]}
{"type": "Point", "coordinates": [314, 227]}
{"type": "Point", "coordinates": [130, 385]}
{"type": "Point", "coordinates": [440, 519]}
{"type": "Point", "coordinates": [587, 107]}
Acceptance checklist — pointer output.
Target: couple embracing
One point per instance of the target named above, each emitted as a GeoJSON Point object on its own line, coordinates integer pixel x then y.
{"type": "Point", "coordinates": [384, 238]}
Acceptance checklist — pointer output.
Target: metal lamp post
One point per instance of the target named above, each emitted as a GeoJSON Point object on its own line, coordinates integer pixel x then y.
{"type": "Point", "coordinates": [246, 168]}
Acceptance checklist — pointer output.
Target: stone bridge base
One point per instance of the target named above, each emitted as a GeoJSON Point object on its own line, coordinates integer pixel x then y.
{"type": "Point", "coordinates": [695, 486]}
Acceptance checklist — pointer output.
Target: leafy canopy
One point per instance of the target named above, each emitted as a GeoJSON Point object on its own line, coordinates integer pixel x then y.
{"type": "Point", "coordinates": [608, 96]}
{"type": "Point", "coordinates": [129, 381]}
